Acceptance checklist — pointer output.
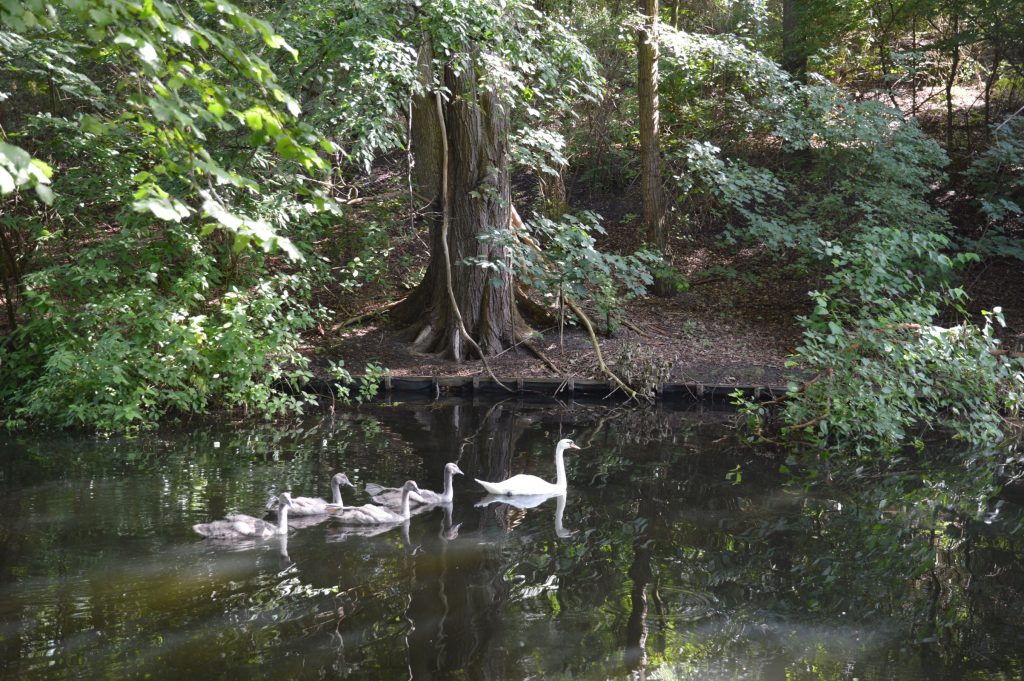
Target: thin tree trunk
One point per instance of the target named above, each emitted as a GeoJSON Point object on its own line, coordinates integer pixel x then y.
{"type": "Point", "coordinates": [950, 80]}
{"type": "Point", "coordinates": [426, 132]}
{"type": "Point", "coordinates": [913, 76]}
{"type": "Point", "coordinates": [990, 82]}
{"type": "Point", "coordinates": [794, 59]}
{"type": "Point", "coordinates": [650, 153]}
{"type": "Point", "coordinates": [427, 150]}
{"type": "Point", "coordinates": [552, 193]}
{"type": "Point", "coordinates": [10, 273]}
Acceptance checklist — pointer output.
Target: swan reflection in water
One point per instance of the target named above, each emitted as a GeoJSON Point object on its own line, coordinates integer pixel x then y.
{"type": "Point", "coordinates": [307, 521]}
{"type": "Point", "coordinates": [340, 533]}
{"type": "Point", "coordinates": [248, 545]}
{"type": "Point", "coordinates": [511, 516]}
{"type": "Point", "coordinates": [447, 532]}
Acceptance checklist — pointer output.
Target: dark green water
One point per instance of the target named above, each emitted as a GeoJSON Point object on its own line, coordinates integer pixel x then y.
{"type": "Point", "coordinates": [678, 555]}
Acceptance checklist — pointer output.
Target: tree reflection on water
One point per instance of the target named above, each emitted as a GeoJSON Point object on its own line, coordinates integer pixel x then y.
{"type": "Point", "coordinates": [676, 552]}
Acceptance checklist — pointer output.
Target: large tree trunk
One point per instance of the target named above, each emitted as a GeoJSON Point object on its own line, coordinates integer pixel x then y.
{"type": "Point", "coordinates": [650, 154]}
{"type": "Point", "coordinates": [472, 124]}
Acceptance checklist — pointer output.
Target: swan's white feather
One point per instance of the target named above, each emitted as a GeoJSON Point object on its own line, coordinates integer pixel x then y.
{"type": "Point", "coordinates": [531, 484]}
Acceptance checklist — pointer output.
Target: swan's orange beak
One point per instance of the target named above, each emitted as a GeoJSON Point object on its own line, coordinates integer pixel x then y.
{"type": "Point", "coordinates": [574, 446]}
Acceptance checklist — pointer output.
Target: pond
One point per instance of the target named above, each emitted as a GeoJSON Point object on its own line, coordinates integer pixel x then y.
{"type": "Point", "coordinates": [677, 553]}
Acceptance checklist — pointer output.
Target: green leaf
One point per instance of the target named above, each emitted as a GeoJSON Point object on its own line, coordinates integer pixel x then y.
{"type": "Point", "coordinates": [6, 182]}
{"type": "Point", "coordinates": [164, 208]}
{"type": "Point", "coordinates": [45, 193]}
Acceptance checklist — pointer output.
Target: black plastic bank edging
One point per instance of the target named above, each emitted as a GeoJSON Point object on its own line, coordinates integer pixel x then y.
{"type": "Point", "coordinates": [555, 388]}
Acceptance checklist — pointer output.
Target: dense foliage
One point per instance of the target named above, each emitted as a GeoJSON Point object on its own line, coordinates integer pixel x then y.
{"type": "Point", "coordinates": [169, 147]}
{"type": "Point", "coordinates": [184, 184]}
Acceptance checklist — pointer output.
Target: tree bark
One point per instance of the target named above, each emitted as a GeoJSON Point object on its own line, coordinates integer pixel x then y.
{"type": "Point", "coordinates": [475, 125]}
{"type": "Point", "coordinates": [426, 133]}
{"type": "Point", "coordinates": [650, 152]}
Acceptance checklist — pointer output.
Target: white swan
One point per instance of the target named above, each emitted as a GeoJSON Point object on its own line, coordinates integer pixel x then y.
{"type": "Point", "coordinates": [241, 526]}
{"type": "Point", "coordinates": [392, 496]}
{"type": "Point", "coordinates": [306, 506]}
{"type": "Point", "coordinates": [368, 514]}
{"type": "Point", "coordinates": [531, 484]}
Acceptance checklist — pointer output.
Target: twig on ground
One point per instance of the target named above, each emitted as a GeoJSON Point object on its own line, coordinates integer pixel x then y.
{"type": "Point", "coordinates": [366, 315]}
{"type": "Point", "coordinates": [630, 325]}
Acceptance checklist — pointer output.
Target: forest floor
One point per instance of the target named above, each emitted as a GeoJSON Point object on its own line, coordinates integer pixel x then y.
{"type": "Point", "coordinates": [728, 328]}
{"type": "Point", "coordinates": [723, 331]}
{"type": "Point", "coordinates": [736, 325]}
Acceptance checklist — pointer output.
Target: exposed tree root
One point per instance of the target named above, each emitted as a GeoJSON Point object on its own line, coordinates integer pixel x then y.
{"type": "Point", "coordinates": [630, 325]}
{"type": "Point", "coordinates": [633, 394]}
{"type": "Point", "coordinates": [533, 311]}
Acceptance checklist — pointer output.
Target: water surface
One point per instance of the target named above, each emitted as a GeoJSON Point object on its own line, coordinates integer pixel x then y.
{"type": "Point", "coordinates": [676, 554]}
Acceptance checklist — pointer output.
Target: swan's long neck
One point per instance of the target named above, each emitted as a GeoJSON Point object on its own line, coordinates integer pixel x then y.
{"type": "Point", "coordinates": [405, 504]}
{"type": "Point", "coordinates": [336, 494]}
{"type": "Point", "coordinates": [282, 519]}
{"type": "Point", "coordinates": [448, 493]}
{"type": "Point", "coordinates": [560, 479]}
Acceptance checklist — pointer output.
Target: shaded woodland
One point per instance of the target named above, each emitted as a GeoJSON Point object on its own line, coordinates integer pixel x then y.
{"type": "Point", "coordinates": [202, 200]}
